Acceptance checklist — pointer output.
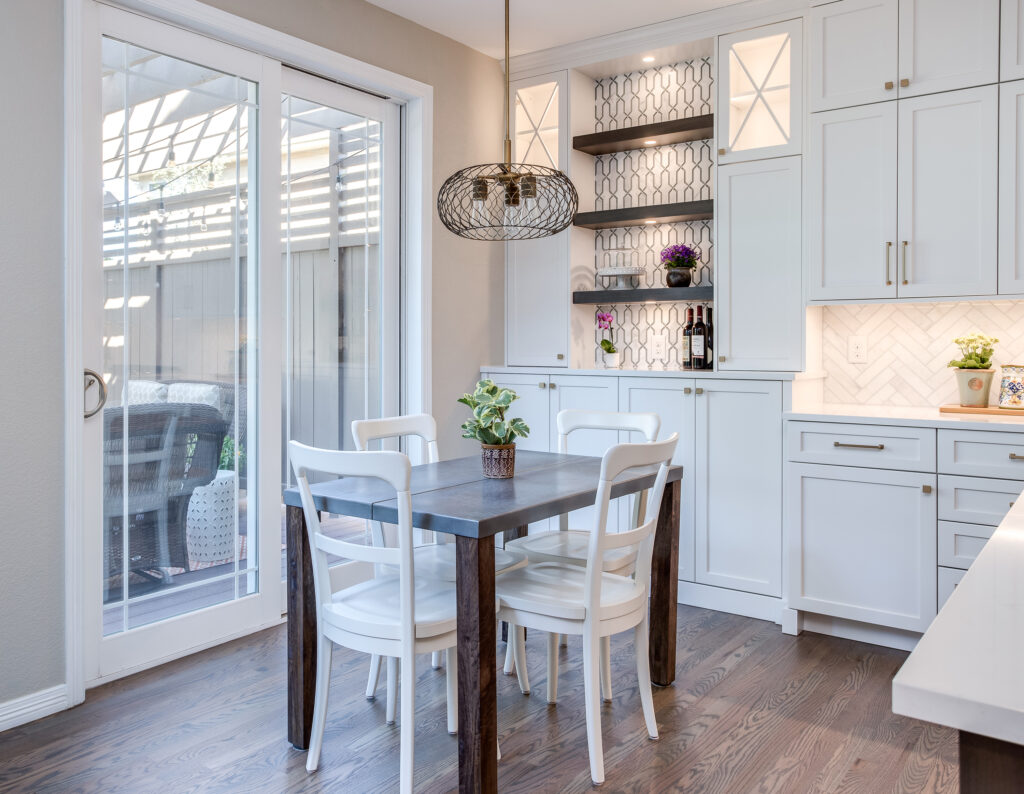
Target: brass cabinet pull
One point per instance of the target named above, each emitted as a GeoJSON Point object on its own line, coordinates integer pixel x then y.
{"type": "Point", "coordinates": [542, 385]}
{"type": "Point", "coordinates": [889, 85]}
{"type": "Point", "coordinates": [904, 82]}
{"type": "Point", "coordinates": [1015, 456]}
{"type": "Point", "coordinates": [888, 250]}
{"type": "Point", "coordinates": [905, 244]}
{"type": "Point", "coordinates": [858, 446]}
{"type": "Point", "coordinates": [700, 390]}
{"type": "Point", "coordinates": [687, 390]}
{"type": "Point", "coordinates": [721, 359]}
{"type": "Point", "coordinates": [721, 151]}
{"type": "Point", "coordinates": [926, 489]}
{"type": "Point", "coordinates": [551, 385]}
{"type": "Point", "coordinates": [560, 356]}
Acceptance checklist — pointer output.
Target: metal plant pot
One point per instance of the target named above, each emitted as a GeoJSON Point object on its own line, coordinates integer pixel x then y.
{"type": "Point", "coordinates": [499, 460]}
{"type": "Point", "coordinates": [677, 276]}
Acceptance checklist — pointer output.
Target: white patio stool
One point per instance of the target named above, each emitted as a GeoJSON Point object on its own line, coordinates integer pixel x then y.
{"type": "Point", "coordinates": [569, 546]}
{"type": "Point", "coordinates": [433, 561]}
{"type": "Point", "coordinates": [568, 599]}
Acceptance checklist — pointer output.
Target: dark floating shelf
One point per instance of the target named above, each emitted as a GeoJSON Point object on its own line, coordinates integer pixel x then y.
{"type": "Point", "coordinates": [695, 128]}
{"type": "Point", "coordinates": [643, 295]}
{"type": "Point", "coordinates": [638, 216]}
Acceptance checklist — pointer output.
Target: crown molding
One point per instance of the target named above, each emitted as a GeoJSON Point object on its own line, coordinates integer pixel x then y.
{"type": "Point", "coordinates": [705, 24]}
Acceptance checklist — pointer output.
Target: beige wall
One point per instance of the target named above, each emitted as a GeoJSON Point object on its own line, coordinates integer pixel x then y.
{"type": "Point", "coordinates": [468, 279]}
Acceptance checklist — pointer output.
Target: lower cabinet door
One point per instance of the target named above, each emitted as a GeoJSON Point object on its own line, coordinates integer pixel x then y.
{"type": "Point", "coordinates": [738, 484]}
{"type": "Point", "coordinates": [861, 544]}
{"type": "Point", "coordinates": [673, 400]}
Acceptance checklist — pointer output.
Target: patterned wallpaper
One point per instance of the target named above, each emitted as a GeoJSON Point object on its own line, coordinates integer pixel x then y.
{"type": "Point", "coordinates": [660, 175]}
{"type": "Point", "coordinates": [908, 347]}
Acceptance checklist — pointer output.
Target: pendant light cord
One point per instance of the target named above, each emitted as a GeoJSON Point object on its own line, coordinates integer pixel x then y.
{"type": "Point", "coordinates": [508, 106]}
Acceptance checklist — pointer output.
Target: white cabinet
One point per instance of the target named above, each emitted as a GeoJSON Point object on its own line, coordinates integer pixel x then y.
{"type": "Point", "coordinates": [1011, 46]}
{"type": "Point", "coordinates": [760, 322]}
{"type": "Point", "coordinates": [673, 400]}
{"type": "Point", "coordinates": [861, 544]}
{"type": "Point", "coordinates": [853, 51]}
{"type": "Point", "coordinates": [760, 93]}
{"type": "Point", "coordinates": [532, 407]}
{"type": "Point", "coordinates": [1011, 188]}
{"type": "Point", "coordinates": [738, 484]}
{"type": "Point", "coordinates": [947, 175]}
{"type": "Point", "coordinates": [947, 44]}
{"type": "Point", "coordinates": [851, 203]}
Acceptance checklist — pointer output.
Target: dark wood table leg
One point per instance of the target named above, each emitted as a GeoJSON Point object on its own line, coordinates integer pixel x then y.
{"type": "Point", "coordinates": [990, 766]}
{"type": "Point", "coordinates": [506, 536]}
{"type": "Point", "coordinates": [664, 585]}
{"type": "Point", "coordinates": [301, 630]}
{"type": "Point", "coordinates": [478, 707]}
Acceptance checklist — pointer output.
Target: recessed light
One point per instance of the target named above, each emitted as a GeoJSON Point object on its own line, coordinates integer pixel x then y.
{"type": "Point", "coordinates": [649, 143]}
{"type": "Point", "coordinates": [648, 59]}
{"type": "Point", "coordinates": [650, 222]}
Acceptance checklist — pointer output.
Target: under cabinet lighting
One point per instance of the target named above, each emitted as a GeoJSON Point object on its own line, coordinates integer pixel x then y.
{"type": "Point", "coordinates": [649, 143]}
{"type": "Point", "coordinates": [648, 59]}
{"type": "Point", "coordinates": [650, 222]}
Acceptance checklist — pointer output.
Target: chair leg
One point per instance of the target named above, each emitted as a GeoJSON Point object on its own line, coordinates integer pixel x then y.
{"type": "Point", "coordinates": [606, 669]}
{"type": "Point", "coordinates": [324, 653]}
{"type": "Point", "coordinates": [452, 679]}
{"type": "Point", "coordinates": [435, 660]}
{"type": "Point", "coordinates": [643, 674]}
{"type": "Point", "coordinates": [374, 678]}
{"type": "Point", "coordinates": [592, 702]}
{"type": "Point", "coordinates": [408, 725]}
{"type": "Point", "coordinates": [552, 668]}
{"type": "Point", "coordinates": [510, 664]}
{"type": "Point", "coordinates": [392, 690]}
{"type": "Point", "coordinates": [563, 641]}
{"type": "Point", "coordinates": [518, 641]}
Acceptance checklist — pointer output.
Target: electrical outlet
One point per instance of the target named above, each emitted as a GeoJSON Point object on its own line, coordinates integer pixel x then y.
{"type": "Point", "coordinates": [659, 346]}
{"type": "Point", "coordinates": [857, 350]}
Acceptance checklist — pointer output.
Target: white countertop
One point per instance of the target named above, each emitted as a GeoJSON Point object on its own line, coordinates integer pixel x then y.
{"type": "Point", "coordinates": [641, 373]}
{"type": "Point", "coordinates": [967, 671]}
{"type": "Point", "coordinates": [905, 416]}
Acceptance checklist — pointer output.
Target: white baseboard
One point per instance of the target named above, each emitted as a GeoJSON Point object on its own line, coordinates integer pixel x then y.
{"type": "Point", "coordinates": [735, 602]}
{"type": "Point", "coordinates": [33, 706]}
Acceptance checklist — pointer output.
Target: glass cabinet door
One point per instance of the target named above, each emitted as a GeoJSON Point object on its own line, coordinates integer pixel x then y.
{"type": "Point", "coordinates": [760, 93]}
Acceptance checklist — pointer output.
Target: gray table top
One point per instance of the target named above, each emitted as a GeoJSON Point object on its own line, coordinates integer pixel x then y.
{"type": "Point", "coordinates": [453, 496]}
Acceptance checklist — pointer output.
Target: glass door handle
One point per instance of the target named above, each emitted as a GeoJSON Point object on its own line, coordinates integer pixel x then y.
{"type": "Point", "coordinates": [91, 376]}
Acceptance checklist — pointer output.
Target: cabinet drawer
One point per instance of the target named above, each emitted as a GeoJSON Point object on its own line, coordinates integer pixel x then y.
{"type": "Point", "coordinates": [976, 500]}
{"type": "Point", "coordinates": [978, 453]}
{"type": "Point", "coordinates": [959, 544]}
{"type": "Point", "coordinates": [949, 578]}
{"type": "Point", "coordinates": [871, 446]}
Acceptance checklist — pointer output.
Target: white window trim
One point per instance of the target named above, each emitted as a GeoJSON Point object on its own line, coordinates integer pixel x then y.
{"type": "Point", "coordinates": [416, 99]}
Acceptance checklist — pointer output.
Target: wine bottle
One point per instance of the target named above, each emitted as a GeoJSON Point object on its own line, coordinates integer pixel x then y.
{"type": "Point", "coordinates": [709, 357]}
{"type": "Point", "coordinates": [698, 341]}
{"type": "Point", "coordinates": [684, 355]}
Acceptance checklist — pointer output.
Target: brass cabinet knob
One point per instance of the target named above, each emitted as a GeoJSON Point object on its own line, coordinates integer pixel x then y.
{"type": "Point", "coordinates": [560, 356]}
{"type": "Point", "coordinates": [551, 385]}
{"type": "Point", "coordinates": [687, 390]}
{"type": "Point", "coordinates": [721, 359]}
{"type": "Point", "coordinates": [542, 385]}
{"type": "Point", "coordinates": [700, 390]}
{"type": "Point", "coordinates": [926, 489]}
{"type": "Point", "coordinates": [889, 85]}
{"type": "Point", "coordinates": [904, 82]}
{"type": "Point", "coordinates": [721, 151]}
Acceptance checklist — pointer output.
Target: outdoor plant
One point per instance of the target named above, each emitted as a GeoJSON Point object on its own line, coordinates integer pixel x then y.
{"type": "Point", "coordinates": [679, 256]}
{"type": "Point", "coordinates": [605, 320]}
{"type": "Point", "coordinates": [976, 351]}
{"type": "Point", "coordinates": [488, 424]}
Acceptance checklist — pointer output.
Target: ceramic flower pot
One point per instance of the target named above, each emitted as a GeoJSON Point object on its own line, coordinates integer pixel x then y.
{"type": "Point", "coordinates": [1011, 389]}
{"type": "Point", "coordinates": [499, 460]}
{"type": "Point", "coordinates": [677, 276]}
{"type": "Point", "coordinates": [611, 360]}
{"type": "Point", "coordinates": [974, 386]}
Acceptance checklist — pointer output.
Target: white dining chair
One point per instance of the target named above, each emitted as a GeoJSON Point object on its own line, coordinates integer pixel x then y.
{"type": "Point", "coordinates": [562, 598]}
{"type": "Point", "coordinates": [434, 560]}
{"type": "Point", "coordinates": [570, 545]}
{"type": "Point", "coordinates": [395, 614]}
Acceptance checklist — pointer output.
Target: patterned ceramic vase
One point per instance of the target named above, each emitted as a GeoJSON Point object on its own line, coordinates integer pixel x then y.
{"type": "Point", "coordinates": [499, 460]}
{"type": "Point", "coordinates": [1011, 389]}
{"type": "Point", "coordinates": [974, 386]}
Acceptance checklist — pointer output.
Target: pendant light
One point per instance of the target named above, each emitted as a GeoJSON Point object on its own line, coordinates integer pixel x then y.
{"type": "Point", "coordinates": [506, 200]}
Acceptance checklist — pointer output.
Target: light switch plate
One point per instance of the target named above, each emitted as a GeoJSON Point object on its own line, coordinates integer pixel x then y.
{"type": "Point", "coordinates": [857, 350]}
{"type": "Point", "coordinates": [659, 346]}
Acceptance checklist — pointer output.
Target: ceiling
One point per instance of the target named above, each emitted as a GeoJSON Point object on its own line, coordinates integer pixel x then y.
{"type": "Point", "coordinates": [539, 24]}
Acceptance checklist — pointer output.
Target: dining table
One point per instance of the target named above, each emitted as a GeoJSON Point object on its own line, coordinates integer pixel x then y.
{"type": "Point", "coordinates": [454, 497]}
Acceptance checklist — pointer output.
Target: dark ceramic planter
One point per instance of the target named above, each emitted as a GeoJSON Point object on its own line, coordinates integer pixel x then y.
{"type": "Point", "coordinates": [677, 276]}
{"type": "Point", "coordinates": [499, 460]}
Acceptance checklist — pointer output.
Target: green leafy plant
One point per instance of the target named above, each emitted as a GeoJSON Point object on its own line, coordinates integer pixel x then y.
{"type": "Point", "coordinates": [227, 455]}
{"type": "Point", "coordinates": [976, 351]}
{"type": "Point", "coordinates": [488, 424]}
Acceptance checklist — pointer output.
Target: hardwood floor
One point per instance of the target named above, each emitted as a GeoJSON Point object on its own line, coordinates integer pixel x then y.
{"type": "Point", "coordinates": [752, 710]}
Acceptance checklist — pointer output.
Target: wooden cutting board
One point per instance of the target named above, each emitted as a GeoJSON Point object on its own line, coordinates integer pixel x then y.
{"type": "Point", "coordinates": [990, 410]}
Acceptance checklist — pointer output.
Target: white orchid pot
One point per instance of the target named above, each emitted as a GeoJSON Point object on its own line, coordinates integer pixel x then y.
{"type": "Point", "coordinates": [611, 360]}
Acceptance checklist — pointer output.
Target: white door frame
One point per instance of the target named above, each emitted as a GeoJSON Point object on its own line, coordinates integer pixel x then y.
{"type": "Point", "coordinates": [82, 30]}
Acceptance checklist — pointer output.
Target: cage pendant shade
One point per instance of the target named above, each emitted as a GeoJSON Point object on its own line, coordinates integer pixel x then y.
{"type": "Point", "coordinates": [506, 200]}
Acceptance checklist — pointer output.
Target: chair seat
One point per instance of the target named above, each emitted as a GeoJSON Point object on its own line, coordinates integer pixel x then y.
{"type": "Point", "coordinates": [437, 561]}
{"type": "Point", "coordinates": [372, 608]}
{"type": "Point", "coordinates": [557, 589]}
{"type": "Point", "coordinates": [570, 547]}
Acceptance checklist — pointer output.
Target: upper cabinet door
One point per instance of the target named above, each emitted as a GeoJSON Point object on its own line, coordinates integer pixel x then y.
{"type": "Point", "coordinates": [947, 44]}
{"type": "Point", "coordinates": [1011, 188]}
{"type": "Point", "coordinates": [760, 93]}
{"type": "Point", "coordinates": [948, 152]}
{"type": "Point", "coordinates": [760, 322]}
{"type": "Point", "coordinates": [851, 203]}
{"type": "Point", "coordinates": [1011, 47]}
{"type": "Point", "coordinates": [853, 53]}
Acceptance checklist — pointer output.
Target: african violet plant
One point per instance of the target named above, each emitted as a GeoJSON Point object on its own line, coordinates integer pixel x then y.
{"type": "Point", "coordinates": [976, 349]}
{"type": "Point", "coordinates": [489, 425]}
{"type": "Point", "coordinates": [679, 255]}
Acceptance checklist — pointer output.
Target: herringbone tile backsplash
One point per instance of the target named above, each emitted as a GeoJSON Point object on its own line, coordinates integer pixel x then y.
{"type": "Point", "coordinates": [908, 347]}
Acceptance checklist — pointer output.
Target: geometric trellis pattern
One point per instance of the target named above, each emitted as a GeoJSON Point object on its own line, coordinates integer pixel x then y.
{"type": "Point", "coordinates": [648, 242]}
{"type": "Point", "coordinates": [634, 324]}
{"type": "Point", "coordinates": [659, 175]}
{"type": "Point", "coordinates": [647, 96]}
{"type": "Point", "coordinates": [908, 347]}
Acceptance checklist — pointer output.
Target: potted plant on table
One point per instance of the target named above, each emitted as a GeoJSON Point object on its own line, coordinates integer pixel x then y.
{"type": "Point", "coordinates": [488, 425]}
{"type": "Point", "coordinates": [679, 262]}
{"type": "Point", "coordinates": [610, 354]}
{"type": "Point", "coordinates": [974, 369]}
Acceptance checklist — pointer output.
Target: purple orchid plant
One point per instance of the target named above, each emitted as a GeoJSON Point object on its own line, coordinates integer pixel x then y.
{"type": "Point", "coordinates": [605, 321]}
{"type": "Point", "coordinates": [679, 255]}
